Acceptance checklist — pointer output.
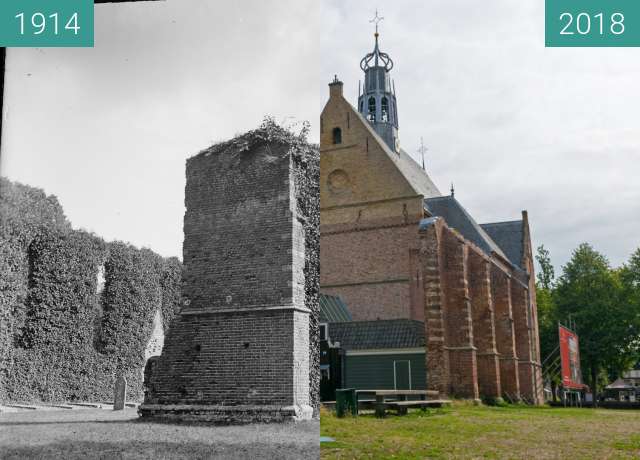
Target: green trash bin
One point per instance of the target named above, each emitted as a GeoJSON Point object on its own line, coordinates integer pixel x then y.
{"type": "Point", "coordinates": [346, 401]}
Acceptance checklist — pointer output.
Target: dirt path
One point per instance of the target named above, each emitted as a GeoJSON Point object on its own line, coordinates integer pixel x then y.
{"type": "Point", "coordinates": [104, 434]}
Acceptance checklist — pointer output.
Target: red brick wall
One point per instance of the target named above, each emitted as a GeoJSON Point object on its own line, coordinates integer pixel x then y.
{"type": "Point", "coordinates": [484, 335]}
{"type": "Point", "coordinates": [505, 334]}
{"type": "Point", "coordinates": [524, 341]}
{"type": "Point", "coordinates": [387, 269]}
{"type": "Point", "coordinates": [431, 260]}
{"type": "Point", "coordinates": [372, 270]}
{"type": "Point", "coordinates": [459, 326]}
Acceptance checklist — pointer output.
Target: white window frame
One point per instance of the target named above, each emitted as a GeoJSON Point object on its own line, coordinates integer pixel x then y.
{"type": "Point", "coordinates": [395, 382]}
{"type": "Point", "coordinates": [326, 331]}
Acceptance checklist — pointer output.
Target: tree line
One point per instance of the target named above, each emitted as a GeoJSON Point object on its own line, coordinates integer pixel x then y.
{"type": "Point", "coordinates": [601, 302]}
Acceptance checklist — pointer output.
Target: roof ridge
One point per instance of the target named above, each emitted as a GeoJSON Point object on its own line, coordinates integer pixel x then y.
{"type": "Point", "coordinates": [441, 197]}
{"type": "Point", "coordinates": [404, 168]}
{"type": "Point", "coordinates": [380, 321]}
{"type": "Point", "coordinates": [486, 242]}
{"type": "Point", "coordinates": [503, 222]}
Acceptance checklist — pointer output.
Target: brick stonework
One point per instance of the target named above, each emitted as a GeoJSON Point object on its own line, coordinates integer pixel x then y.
{"type": "Point", "coordinates": [240, 349]}
{"type": "Point", "coordinates": [437, 354]}
{"type": "Point", "coordinates": [388, 258]}
{"type": "Point", "coordinates": [463, 371]}
{"type": "Point", "coordinates": [484, 334]}
{"type": "Point", "coordinates": [524, 343]}
{"type": "Point", "coordinates": [505, 333]}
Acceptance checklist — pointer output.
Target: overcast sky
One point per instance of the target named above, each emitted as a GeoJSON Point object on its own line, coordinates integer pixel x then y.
{"type": "Point", "coordinates": [513, 125]}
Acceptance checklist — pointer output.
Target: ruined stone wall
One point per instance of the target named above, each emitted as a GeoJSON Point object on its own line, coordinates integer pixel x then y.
{"type": "Point", "coordinates": [220, 360]}
{"type": "Point", "coordinates": [242, 346]}
{"type": "Point", "coordinates": [306, 174]}
{"type": "Point", "coordinates": [237, 229]}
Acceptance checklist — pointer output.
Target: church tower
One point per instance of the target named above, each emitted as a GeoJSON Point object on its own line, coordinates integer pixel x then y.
{"type": "Point", "coordinates": [377, 99]}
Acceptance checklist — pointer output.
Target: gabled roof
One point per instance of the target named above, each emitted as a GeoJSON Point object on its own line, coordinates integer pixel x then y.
{"type": "Point", "coordinates": [378, 335]}
{"type": "Point", "coordinates": [333, 309]}
{"type": "Point", "coordinates": [458, 218]}
{"type": "Point", "coordinates": [509, 236]}
{"type": "Point", "coordinates": [417, 177]}
{"type": "Point", "coordinates": [619, 384]}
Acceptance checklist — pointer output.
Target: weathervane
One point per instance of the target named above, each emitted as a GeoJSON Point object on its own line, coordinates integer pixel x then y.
{"type": "Point", "coordinates": [422, 150]}
{"type": "Point", "coordinates": [376, 19]}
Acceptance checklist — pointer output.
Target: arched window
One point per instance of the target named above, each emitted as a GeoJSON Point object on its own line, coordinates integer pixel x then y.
{"type": "Point", "coordinates": [372, 109]}
{"type": "Point", "coordinates": [384, 112]}
{"type": "Point", "coordinates": [337, 136]}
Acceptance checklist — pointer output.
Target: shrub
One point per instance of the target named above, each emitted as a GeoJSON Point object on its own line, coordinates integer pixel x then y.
{"type": "Point", "coordinates": [59, 338]}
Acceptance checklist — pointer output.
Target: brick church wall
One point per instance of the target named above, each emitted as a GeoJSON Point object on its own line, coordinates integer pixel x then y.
{"type": "Point", "coordinates": [505, 333]}
{"type": "Point", "coordinates": [459, 325]}
{"type": "Point", "coordinates": [386, 260]}
{"type": "Point", "coordinates": [431, 261]}
{"type": "Point", "coordinates": [377, 284]}
{"type": "Point", "coordinates": [524, 349]}
{"type": "Point", "coordinates": [484, 334]}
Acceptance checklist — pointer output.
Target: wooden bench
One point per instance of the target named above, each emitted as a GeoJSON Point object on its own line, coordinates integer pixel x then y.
{"type": "Point", "coordinates": [402, 406]}
{"type": "Point", "coordinates": [385, 398]}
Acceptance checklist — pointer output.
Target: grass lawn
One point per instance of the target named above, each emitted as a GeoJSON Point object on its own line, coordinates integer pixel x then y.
{"type": "Point", "coordinates": [467, 431]}
{"type": "Point", "coordinates": [81, 434]}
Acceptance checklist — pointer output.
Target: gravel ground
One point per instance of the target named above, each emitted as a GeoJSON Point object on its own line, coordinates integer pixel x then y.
{"type": "Point", "coordinates": [104, 434]}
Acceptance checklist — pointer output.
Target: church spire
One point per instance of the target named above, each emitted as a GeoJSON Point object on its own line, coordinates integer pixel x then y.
{"type": "Point", "coordinates": [377, 101]}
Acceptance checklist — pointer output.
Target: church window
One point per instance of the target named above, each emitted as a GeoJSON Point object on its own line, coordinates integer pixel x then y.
{"type": "Point", "coordinates": [337, 136]}
{"type": "Point", "coordinates": [372, 109]}
{"type": "Point", "coordinates": [384, 113]}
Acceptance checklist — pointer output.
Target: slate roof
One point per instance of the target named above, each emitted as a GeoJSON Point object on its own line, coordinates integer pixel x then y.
{"type": "Point", "coordinates": [417, 177]}
{"type": "Point", "coordinates": [377, 335]}
{"type": "Point", "coordinates": [333, 309]}
{"type": "Point", "coordinates": [410, 169]}
{"type": "Point", "coordinates": [457, 217]}
{"type": "Point", "coordinates": [509, 236]}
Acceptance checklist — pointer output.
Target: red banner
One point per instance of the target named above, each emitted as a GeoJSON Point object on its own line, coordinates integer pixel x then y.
{"type": "Point", "coordinates": [570, 359]}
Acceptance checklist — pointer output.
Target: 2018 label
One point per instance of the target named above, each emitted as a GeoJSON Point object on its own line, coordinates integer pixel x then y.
{"type": "Point", "coordinates": [592, 23]}
{"type": "Point", "coordinates": [582, 24]}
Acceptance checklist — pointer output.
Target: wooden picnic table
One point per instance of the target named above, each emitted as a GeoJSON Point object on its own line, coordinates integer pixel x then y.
{"type": "Point", "coordinates": [401, 395]}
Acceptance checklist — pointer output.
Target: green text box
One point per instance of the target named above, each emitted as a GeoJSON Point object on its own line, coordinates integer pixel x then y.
{"type": "Point", "coordinates": [46, 23]}
{"type": "Point", "coordinates": [592, 23]}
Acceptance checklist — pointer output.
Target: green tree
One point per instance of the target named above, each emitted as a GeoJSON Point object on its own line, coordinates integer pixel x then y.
{"type": "Point", "coordinates": [629, 276]}
{"type": "Point", "coordinates": [547, 314]}
{"type": "Point", "coordinates": [591, 294]}
{"type": "Point", "coordinates": [546, 275]}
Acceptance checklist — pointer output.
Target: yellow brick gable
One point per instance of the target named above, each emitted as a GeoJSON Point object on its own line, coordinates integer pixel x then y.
{"type": "Point", "coordinates": [361, 179]}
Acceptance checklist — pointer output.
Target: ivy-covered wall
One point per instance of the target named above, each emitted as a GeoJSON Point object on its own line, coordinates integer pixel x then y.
{"type": "Point", "coordinates": [61, 338]}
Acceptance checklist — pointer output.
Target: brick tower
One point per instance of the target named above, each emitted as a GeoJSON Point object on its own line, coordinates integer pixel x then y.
{"type": "Point", "coordinates": [240, 349]}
